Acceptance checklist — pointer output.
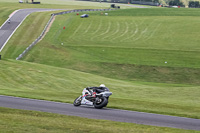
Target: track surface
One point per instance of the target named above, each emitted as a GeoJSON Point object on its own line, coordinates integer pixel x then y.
{"type": "Point", "coordinates": [106, 114]}
{"type": "Point", "coordinates": [7, 29]}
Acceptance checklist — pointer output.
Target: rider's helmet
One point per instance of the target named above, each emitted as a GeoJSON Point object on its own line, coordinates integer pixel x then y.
{"type": "Point", "coordinates": [102, 85]}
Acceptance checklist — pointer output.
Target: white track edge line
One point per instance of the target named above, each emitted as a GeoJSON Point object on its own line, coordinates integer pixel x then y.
{"type": "Point", "coordinates": [8, 18]}
{"type": "Point", "coordinates": [13, 32]}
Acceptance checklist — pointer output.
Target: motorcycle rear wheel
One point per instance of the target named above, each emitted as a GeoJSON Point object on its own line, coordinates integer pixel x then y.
{"type": "Point", "coordinates": [102, 104]}
{"type": "Point", "coordinates": [77, 101]}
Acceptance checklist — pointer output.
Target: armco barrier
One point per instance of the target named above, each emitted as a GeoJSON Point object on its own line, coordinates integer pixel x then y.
{"type": "Point", "coordinates": [35, 42]}
{"type": "Point", "coordinates": [43, 32]}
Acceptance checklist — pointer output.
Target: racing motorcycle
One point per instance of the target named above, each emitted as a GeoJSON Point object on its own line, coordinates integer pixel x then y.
{"type": "Point", "coordinates": [98, 99]}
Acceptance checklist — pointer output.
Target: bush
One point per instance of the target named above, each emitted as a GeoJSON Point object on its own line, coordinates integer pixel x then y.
{"type": "Point", "coordinates": [175, 3]}
{"type": "Point", "coordinates": [194, 4]}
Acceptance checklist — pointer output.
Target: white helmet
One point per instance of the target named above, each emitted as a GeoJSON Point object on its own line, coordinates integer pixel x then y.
{"type": "Point", "coordinates": [102, 85]}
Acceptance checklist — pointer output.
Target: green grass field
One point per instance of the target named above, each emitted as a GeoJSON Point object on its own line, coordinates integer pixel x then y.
{"type": "Point", "coordinates": [38, 81]}
{"type": "Point", "coordinates": [125, 50]}
{"type": "Point", "coordinates": [32, 122]}
{"type": "Point", "coordinates": [134, 50]}
{"type": "Point", "coordinates": [141, 79]}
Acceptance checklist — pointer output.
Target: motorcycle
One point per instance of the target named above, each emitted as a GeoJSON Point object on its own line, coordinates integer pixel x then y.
{"type": "Point", "coordinates": [98, 99]}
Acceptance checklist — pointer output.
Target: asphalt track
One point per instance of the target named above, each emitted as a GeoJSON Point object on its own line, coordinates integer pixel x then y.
{"type": "Point", "coordinates": [105, 113]}
{"type": "Point", "coordinates": [8, 29]}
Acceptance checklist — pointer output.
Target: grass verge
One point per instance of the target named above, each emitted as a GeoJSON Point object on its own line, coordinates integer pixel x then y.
{"type": "Point", "coordinates": [21, 121]}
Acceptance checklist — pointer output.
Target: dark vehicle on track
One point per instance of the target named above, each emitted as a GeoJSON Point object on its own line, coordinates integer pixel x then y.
{"type": "Point", "coordinates": [84, 16]}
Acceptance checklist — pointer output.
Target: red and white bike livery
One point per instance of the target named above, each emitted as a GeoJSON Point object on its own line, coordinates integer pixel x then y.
{"type": "Point", "coordinates": [98, 99]}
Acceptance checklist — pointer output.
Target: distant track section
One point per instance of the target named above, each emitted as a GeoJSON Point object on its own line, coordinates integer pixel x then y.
{"type": "Point", "coordinates": [16, 18]}
{"type": "Point", "coordinates": [107, 114]}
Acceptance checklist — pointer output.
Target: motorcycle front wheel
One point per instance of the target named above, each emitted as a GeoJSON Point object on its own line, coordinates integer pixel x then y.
{"type": "Point", "coordinates": [101, 102]}
{"type": "Point", "coordinates": [77, 101]}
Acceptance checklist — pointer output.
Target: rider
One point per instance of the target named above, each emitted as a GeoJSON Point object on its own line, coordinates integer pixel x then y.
{"type": "Point", "coordinates": [9, 21]}
{"type": "Point", "coordinates": [99, 89]}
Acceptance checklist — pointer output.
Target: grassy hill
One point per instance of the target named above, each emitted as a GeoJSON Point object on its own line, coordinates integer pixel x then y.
{"type": "Point", "coordinates": [32, 80]}
{"type": "Point", "coordinates": [151, 45]}
{"type": "Point", "coordinates": [149, 58]}
{"type": "Point", "coordinates": [96, 50]}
